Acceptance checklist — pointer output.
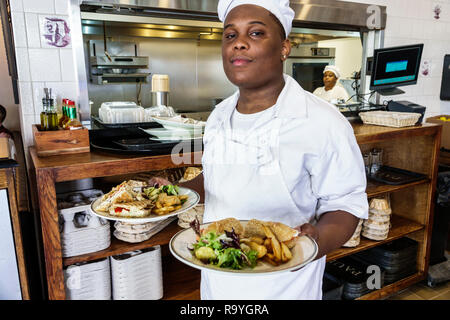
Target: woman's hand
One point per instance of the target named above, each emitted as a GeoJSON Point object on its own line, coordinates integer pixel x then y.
{"type": "Point", "coordinates": [308, 229]}
{"type": "Point", "coordinates": [158, 181]}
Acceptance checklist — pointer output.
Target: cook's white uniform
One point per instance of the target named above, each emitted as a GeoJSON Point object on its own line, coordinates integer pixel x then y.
{"type": "Point", "coordinates": [336, 93]}
{"type": "Point", "coordinates": [295, 163]}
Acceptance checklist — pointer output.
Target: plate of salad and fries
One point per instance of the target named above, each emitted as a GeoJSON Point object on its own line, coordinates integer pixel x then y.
{"type": "Point", "coordinates": [243, 247]}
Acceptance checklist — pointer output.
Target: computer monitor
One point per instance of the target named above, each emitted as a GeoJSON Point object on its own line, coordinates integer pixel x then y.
{"type": "Point", "coordinates": [394, 67]}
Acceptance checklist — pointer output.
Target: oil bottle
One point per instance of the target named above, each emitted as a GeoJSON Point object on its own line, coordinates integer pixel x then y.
{"type": "Point", "coordinates": [49, 116]}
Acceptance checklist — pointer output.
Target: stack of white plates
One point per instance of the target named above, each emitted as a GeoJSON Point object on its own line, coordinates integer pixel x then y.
{"type": "Point", "coordinates": [163, 134]}
{"type": "Point", "coordinates": [82, 232]}
{"type": "Point", "coordinates": [177, 128]}
{"type": "Point", "coordinates": [137, 275]}
{"type": "Point", "coordinates": [130, 232]}
{"type": "Point", "coordinates": [88, 281]}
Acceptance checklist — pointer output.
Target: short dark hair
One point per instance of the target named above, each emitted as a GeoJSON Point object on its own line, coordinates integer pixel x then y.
{"type": "Point", "coordinates": [2, 113]}
{"type": "Point", "coordinates": [282, 31]}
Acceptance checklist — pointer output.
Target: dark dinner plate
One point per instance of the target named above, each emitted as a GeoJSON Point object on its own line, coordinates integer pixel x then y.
{"type": "Point", "coordinates": [135, 141]}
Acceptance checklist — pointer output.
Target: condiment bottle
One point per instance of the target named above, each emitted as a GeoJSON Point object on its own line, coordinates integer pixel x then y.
{"type": "Point", "coordinates": [52, 115]}
{"type": "Point", "coordinates": [49, 116]}
{"type": "Point", "coordinates": [44, 117]}
{"type": "Point", "coordinates": [72, 123]}
{"type": "Point", "coordinates": [64, 117]}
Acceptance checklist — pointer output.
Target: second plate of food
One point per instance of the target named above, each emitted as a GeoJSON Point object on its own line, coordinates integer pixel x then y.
{"type": "Point", "coordinates": [192, 200]}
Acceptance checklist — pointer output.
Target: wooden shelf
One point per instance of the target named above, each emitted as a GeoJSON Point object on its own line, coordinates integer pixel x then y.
{"type": "Point", "coordinates": [376, 188]}
{"type": "Point", "coordinates": [117, 246]}
{"type": "Point", "coordinates": [180, 282]}
{"type": "Point", "coordinates": [400, 227]}
{"type": "Point", "coordinates": [392, 288]}
{"type": "Point", "coordinates": [413, 148]}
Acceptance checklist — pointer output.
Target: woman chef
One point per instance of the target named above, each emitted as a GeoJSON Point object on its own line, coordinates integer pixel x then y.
{"type": "Point", "coordinates": [275, 152]}
{"type": "Point", "coordinates": [330, 91]}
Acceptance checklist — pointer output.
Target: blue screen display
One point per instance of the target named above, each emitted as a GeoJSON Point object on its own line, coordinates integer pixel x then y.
{"type": "Point", "coordinates": [397, 66]}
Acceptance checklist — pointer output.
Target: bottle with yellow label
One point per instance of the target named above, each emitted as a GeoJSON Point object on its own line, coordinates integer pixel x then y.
{"type": "Point", "coordinates": [72, 123]}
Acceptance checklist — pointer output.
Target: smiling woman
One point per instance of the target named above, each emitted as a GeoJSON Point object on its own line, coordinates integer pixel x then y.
{"type": "Point", "coordinates": [250, 46]}
{"type": "Point", "coordinates": [275, 152]}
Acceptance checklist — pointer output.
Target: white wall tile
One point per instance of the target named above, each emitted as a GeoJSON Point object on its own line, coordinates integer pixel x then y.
{"type": "Point", "coordinates": [63, 90]}
{"type": "Point", "coordinates": [19, 33]}
{"type": "Point", "coordinates": [27, 133]}
{"type": "Point", "coordinates": [26, 97]}
{"type": "Point", "coordinates": [32, 27]}
{"type": "Point", "coordinates": [23, 65]}
{"type": "Point", "coordinates": [45, 65]}
{"type": "Point", "coordinates": [43, 22]}
{"type": "Point", "coordinates": [38, 94]}
{"type": "Point", "coordinates": [62, 6]}
{"type": "Point", "coordinates": [417, 29]}
{"type": "Point", "coordinates": [39, 6]}
{"type": "Point", "coordinates": [67, 65]}
{"type": "Point", "coordinates": [16, 5]}
{"type": "Point", "coordinates": [445, 107]}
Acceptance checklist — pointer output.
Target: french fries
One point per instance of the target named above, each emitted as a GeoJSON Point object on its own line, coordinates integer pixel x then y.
{"type": "Point", "coordinates": [276, 247]}
{"type": "Point", "coordinates": [286, 254]}
{"type": "Point", "coordinates": [269, 249]}
{"type": "Point", "coordinates": [165, 204]}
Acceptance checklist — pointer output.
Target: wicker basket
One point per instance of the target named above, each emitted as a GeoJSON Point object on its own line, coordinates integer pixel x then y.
{"type": "Point", "coordinates": [389, 118]}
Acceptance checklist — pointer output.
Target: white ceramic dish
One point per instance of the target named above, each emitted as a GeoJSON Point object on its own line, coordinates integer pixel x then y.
{"type": "Point", "coordinates": [175, 124]}
{"type": "Point", "coordinates": [169, 139]}
{"type": "Point", "coordinates": [304, 251]}
{"type": "Point", "coordinates": [192, 201]}
{"type": "Point", "coordinates": [166, 133]}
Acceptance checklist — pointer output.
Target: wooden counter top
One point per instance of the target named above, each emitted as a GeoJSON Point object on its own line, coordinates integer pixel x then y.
{"type": "Point", "coordinates": [98, 164]}
{"type": "Point", "coordinates": [369, 133]}
{"type": "Point", "coordinates": [363, 133]}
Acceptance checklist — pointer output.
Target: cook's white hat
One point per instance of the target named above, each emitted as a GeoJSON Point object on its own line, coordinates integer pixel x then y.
{"type": "Point", "coordinates": [333, 69]}
{"type": "Point", "coordinates": [279, 8]}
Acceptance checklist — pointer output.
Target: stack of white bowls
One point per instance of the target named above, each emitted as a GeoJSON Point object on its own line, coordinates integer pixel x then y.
{"type": "Point", "coordinates": [137, 275]}
{"type": "Point", "coordinates": [88, 281]}
{"type": "Point", "coordinates": [81, 232]}
{"type": "Point", "coordinates": [356, 237]}
{"type": "Point", "coordinates": [377, 226]}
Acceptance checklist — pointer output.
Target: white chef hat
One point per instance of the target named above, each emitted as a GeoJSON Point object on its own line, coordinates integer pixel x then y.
{"type": "Point", "coordinates": [279, 8]}
{"type": "Point", "coordinates": [333, 69]}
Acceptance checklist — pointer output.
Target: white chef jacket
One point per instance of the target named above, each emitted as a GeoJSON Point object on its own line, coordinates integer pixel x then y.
{"type": "Point", "coordinates": [336, 93]}
{"type": "Point", "coordinates": [297, 162]}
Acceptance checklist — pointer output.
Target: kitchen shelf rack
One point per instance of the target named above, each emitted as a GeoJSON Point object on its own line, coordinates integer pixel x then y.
{"type": "Point", "coordinates": [413, 148]}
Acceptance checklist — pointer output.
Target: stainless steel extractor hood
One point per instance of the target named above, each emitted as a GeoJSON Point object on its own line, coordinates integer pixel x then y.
{"type": "Point", "coordinates": [326, 14]}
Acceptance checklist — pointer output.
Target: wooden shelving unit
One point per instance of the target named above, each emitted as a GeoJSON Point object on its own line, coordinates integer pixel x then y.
{"type": "Point", "coordinates": [413, 148]}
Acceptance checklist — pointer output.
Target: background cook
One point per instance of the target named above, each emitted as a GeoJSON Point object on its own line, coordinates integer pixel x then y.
{"type": "Point", "coordinates": [331, 91]}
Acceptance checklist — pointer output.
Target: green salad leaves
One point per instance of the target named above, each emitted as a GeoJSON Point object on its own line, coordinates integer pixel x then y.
{"type": "Point", "coordinates": [224, 251]}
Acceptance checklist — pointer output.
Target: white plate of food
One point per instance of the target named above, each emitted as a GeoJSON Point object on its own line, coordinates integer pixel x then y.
{"type": "Point", "coordinates": [134, 202]}
{"type": "Point", "coordinates": [181, 123]}
{"type": "Point", "coordinates": [279, 249]}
